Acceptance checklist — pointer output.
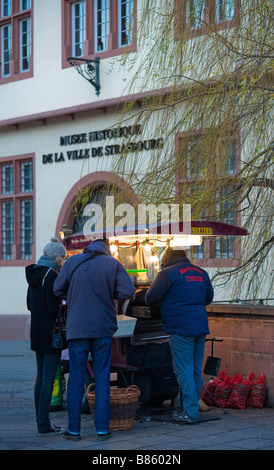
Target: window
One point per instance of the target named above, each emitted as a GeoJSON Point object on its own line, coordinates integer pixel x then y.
{"type": "Point", "coordinates": [98, 27]}
{"type": "Point", "coordinates": [26, 177]}
{"type": "Point", "coordinates": [195, 13]}
{"type": "Point", "coordinates": [25, 5]}
{"type": "Point", "coordinates": [224, 10]}
{"type": "Point", "coordinates": [16, 210]}
{"type": "Point", "coordinates": [125, 22]}
{"type": "Point", "coordinates": [190, 183]}
{"type": "Point", "coordinates": [78, 28]}
{"type": "Point", "coordinates": [25, 45]}
{"type": "Point", "coordinates": [15, 40]}
{"type": "Point", "coordinates": [7, 175]}
{"type": "Point", "coordinates": [101, 24]}
{"type": "Point", "coordinates": [26, 228]}
{"type": "Point", "coordinates": [230, 148]}
{"type": "Point", "coordinates": [194, 16]}
{"type": "Point", "coordinates": [7, 229]}
{"type": "Point", "coordinates": [223, 247]}
{"type": "Point", "coordinates": [6, 50]}
{"type": "Point", "coordinates": [5, 8]}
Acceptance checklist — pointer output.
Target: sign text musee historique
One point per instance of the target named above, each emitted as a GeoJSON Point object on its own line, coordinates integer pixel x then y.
{"type": "Point", "coordinates": [102, 150]}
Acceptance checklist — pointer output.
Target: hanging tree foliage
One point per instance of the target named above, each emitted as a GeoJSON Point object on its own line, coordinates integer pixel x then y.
{"type": "Point", "coordinates": [207, 91]}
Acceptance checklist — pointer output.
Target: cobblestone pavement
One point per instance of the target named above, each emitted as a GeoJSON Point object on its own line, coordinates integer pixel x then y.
{"type": "Point", "coordinates": [153, 434]}
{"type": "Point", "coordinates": [250, 429]}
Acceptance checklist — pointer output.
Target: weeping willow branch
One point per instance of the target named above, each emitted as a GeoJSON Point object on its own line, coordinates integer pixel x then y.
{"type": "Point", "coordinates": [202, 96]}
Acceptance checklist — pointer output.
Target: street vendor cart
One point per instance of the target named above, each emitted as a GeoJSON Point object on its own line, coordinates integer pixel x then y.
{"type": "Point", "coordinates": [140, 350]}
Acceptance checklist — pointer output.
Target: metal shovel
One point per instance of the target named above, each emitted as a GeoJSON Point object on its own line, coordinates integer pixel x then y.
{"type": "Point", "coordinates": [212, 364]}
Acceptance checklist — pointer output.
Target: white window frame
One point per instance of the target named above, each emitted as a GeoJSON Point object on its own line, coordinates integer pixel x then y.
{"type": "Point", "coordinates": [7, 178]}
{"type": "Point", "coordinates": [27, 5]}
{"type": "Point", "coordinates": [6, 51]}
{"type": "Point", "coordinates": [25, 43]}
{"type": "Point", "coordinates": [104, 25]}
{"type": "Point", "coordinates": [26, 177]}
{"type": "Point", "coordinates": [129, 21]}
{"type": "Point", "coordinates": [7, 231]}
{"type": "Point", "coordinates": [195, 13]}
{"type": "Point", "coordinates": [224, 246]}
{"type": "Point", "coordinates": [225, 10]}
{"type": "Point", "coordinates": [231, 161]}
{"type": "Point", "coordinates": [6, 4]}
{"type": "Point", "coordinates": [26, 207]}
{"type": "Point", "coordinates": [81, 30]}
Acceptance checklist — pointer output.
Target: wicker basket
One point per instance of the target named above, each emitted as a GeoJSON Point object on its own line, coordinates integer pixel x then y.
{"type": "Point", "coordinates": [124, 403]}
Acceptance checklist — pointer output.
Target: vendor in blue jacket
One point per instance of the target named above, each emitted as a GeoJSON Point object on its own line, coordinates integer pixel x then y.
{"type": "Point", "coordinates": [89, 282]}
{"type": "Point", "coordinates": [183, 291]}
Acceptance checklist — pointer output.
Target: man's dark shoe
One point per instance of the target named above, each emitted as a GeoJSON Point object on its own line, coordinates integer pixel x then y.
{"type": "Point", "coordinates": [103, 437]}
{"type": "Point", "coordinates": [72, 437]}
{"type": "Point", "coordinates": [182, 417]}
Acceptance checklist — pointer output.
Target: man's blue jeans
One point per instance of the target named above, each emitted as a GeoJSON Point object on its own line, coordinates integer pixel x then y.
{"type": "Point", "coordinates": [188, 353]}
{"type": "Point", "coordinates": [79, 349]}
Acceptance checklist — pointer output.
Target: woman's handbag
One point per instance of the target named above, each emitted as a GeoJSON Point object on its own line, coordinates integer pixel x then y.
{"type": "Point", "coordinates": [59, 330]}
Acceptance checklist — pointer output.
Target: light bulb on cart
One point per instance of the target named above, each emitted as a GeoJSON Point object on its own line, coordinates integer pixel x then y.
{"type": "Point", "coordinates": [147, 247]}
{"type": "Point", "coordinates": [113, 248]}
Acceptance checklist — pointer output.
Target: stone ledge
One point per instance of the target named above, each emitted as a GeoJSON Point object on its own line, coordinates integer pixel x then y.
{"type": "Point", "coordinates": [261, 311]}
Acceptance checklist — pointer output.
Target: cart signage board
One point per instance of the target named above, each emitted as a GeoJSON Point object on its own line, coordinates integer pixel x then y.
{"type": "Point", "coordinates": [201, 230]}
{"type": "Point", "coordinates": [160, 232]}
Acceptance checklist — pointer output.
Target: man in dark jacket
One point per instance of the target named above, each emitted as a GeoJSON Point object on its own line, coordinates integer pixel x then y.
{"type": "Point", "coordinates": [183, 291]}
{"type": "Point", "coordinates": [43, 305]}
{"type": "Point", "coordinates": [91, 322]}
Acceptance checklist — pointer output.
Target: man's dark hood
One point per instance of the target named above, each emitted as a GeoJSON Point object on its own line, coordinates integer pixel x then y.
{"type": "Point", "coordinates": [98, 246]}
{"type": "Point", "coordinates": [172, 256]}
{"type": "Point", "coordinates": [176, 260]}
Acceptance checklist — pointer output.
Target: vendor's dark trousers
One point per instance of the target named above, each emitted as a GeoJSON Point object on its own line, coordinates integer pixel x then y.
{"type": "Point", "coordinates": [188, 353]}
{"type": "Point", "coordinates": [100, 349]}
{"type": "Point", "coordinates": [47, 365]}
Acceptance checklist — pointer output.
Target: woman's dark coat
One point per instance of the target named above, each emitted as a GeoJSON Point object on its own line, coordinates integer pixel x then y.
{"type": "Point", "coordinates": [43, 305]}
